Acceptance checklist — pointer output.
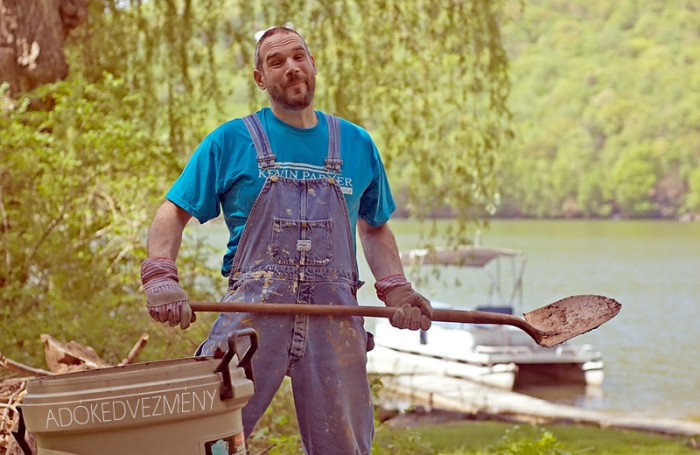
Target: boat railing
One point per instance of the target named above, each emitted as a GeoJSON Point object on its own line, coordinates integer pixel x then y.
{"type": "Point", "coordinates": [502, 350]}
{"type": "Point", "coordinates": [580, 352]}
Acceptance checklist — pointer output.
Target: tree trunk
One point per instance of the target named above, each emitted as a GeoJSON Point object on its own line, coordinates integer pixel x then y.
{"type": "Point", "coordinates": [32, 33]}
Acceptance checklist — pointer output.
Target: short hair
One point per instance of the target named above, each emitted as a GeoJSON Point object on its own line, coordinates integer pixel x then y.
{"type": "Point", "coordinates": [274, 31]}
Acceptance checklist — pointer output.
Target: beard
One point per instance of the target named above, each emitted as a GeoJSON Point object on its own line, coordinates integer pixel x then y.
{"type": "Point", "coordinates": [296, 98]}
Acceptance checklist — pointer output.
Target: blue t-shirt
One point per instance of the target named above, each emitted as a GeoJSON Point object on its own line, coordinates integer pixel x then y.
{"type": "Point", "coordinates": [223, 173]}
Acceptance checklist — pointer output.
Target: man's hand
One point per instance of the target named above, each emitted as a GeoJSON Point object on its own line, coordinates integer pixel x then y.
{"type": "Point", "coordinates": [166, 301]}
{"type": "Point", "coordinates": [413, 310]}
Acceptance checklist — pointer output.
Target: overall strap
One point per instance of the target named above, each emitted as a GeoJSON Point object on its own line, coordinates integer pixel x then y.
{"type": "Point", "coordinates": [333, 161]}
{"type": "Point", "coordinates": [266, 159]}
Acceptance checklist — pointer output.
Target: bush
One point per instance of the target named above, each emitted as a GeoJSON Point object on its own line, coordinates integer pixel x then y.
{"type": "Point", "coordinates": [78, 187]}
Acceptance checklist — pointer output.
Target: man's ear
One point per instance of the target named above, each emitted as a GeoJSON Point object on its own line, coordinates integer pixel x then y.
{"type": "Point", "coordinates": [257, 75]}
{"type": "Point", "coordinates": [313, 62]}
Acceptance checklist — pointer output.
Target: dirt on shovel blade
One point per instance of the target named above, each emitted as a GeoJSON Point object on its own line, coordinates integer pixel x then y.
{"type": "Point", "coordinates": [572, 316]}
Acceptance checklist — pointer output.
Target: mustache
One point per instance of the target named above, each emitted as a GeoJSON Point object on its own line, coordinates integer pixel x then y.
{"type": "Point", "coordinates": [295, 80]}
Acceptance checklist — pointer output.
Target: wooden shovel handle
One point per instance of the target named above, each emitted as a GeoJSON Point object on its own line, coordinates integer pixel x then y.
{"type": "Point", "coordinates": [470, 317]}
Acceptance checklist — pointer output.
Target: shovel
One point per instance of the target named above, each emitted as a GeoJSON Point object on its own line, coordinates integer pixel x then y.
{"type": "Point", "coordinates": [548, 326]}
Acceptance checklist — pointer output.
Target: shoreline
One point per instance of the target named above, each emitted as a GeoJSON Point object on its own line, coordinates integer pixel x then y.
{"type": "Point", "coordinates": [406, 381]}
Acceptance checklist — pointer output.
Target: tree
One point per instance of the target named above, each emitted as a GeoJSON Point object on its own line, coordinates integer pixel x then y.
{"type": "Point", "coordinates": [32, 34]}
{"type": "Point", "coordinates": [79, 181]}
{"type": "Point", "coordinates": [634, 178]}
{"type": "Point", "coordinates": [692, 202]}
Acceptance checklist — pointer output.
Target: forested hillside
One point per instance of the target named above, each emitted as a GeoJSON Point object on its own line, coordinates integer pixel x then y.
{"type": "Point", "coordinates": [606, 109]}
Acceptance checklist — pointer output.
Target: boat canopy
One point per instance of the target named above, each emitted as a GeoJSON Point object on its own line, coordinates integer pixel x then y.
{"type": "Point", "coordinates": [462, 256]}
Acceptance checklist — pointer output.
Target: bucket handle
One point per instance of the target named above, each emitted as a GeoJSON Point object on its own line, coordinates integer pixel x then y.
{"type": "Point", "coordinates": [20, 433]}
{"type": "Point", "coordinates": [245, 360]}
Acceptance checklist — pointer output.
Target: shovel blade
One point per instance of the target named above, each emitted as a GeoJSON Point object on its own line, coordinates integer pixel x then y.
{"type": "Point", "coordinates": [572, 316]}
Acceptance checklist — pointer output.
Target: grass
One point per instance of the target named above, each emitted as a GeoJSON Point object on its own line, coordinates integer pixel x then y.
{"type": "Point", "coordinates": [492, 437]}
{"type": "Point", "coordinates": [450, 433]}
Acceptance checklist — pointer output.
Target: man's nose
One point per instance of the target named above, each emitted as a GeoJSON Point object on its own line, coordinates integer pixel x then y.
{"type": "Point", "coordinates": [293, 67]}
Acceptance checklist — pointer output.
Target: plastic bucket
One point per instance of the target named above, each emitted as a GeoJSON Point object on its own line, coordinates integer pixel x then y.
{"type": "Point", "coordinates": [177, 407]}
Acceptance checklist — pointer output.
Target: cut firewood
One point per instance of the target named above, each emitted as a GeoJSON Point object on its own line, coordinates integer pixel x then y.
{"type": "Point", "coordinates": [63, 357]}
{"type": "Point", "coordinates": [135, 351]}
{"type": "Point", "coordinates": [17, 367]}
{"type": "Point", "coordinates": [11, 395]}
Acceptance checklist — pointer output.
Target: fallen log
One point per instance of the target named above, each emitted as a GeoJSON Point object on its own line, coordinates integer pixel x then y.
{"type": "Point", "coordinates": [60, 357]}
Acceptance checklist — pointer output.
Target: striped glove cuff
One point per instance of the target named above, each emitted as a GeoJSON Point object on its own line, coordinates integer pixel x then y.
{"type": "Point", "coordinates": [158, 268]}
{"type": "Point", "coordinates": [388, 284]}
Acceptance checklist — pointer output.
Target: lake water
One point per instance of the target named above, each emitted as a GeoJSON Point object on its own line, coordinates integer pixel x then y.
{"type": "Point", "coordinates": [650, 348]}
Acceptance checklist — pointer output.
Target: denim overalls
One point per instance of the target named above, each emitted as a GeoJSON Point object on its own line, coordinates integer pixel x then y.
{"type": "Point", "coordinates": [297, 247]}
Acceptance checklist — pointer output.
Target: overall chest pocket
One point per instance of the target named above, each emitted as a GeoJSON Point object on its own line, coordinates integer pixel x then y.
{"type": "Point", "coordinates": [297, 242]}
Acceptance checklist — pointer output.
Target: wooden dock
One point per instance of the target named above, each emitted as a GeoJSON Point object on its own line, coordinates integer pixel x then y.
{"type": "Point", "coordinates": [418, 381]}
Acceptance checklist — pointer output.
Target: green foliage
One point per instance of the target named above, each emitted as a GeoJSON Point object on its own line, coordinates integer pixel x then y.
{"type": "Point", "coordinates": [520, 440]}
{"type": "Point", "coordinates": [692, 203]}
{"type": "Point", "coordinates": [634, 178]}
{"type": "Point", "coordinates": [430, 85]}
{"type": "Point", "coordinates": [389, 441]}
{"type": "Point", "coordinates": [74, 199]}
{"type": "Point", "coordinates": [593, 85]}
{"type": "Point", "coordinates": [164, 56]}
{"type": "Point", "coordinates": [493, 437]}
{"type": "Point", "coordinates": [82, 175]}
{"type": "Point", "coordinates": [406, 442]}
{"type": "Point", "coordinates": [277, 433]}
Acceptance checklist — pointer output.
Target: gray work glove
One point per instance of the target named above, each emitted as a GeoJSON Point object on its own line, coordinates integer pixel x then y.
{"type": "Point", "coordinates": [166, 301]}
{"type": "Point", "coordinates": [413, 310]}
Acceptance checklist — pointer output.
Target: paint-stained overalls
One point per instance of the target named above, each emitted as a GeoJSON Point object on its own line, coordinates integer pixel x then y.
{"type": "Point", "coordinates": [297, 247]}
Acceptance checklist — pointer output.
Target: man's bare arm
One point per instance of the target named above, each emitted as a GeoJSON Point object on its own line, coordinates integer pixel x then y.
{"type": "Point", "coordinates": [165, 233]}
{"type": "Point", "coordinates": [413, 310]}
{"type": "Point", "coordinates": [381, 251]}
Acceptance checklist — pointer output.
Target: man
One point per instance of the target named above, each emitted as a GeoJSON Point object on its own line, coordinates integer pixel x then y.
{"type": "Point", "coordinates": [292, 183]}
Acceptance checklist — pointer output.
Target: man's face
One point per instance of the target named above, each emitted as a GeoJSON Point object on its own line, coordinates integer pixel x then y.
{"type": "Point", "coordinates": [288, 72]}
